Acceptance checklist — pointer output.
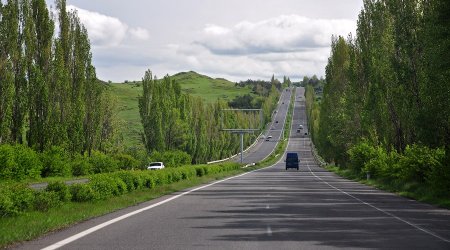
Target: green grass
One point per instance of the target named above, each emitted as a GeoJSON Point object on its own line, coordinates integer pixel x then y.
{"type": "Point", "coordinates": [127, 94]}
{"type": "Point", "coordinates": [210, 89]}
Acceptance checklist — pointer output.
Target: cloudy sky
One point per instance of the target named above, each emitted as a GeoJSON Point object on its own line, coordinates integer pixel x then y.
{"type": "Point", "coordinates": [233, 39]}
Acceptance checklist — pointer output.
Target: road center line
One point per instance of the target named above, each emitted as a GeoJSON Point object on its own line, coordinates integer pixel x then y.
{"type": "Point", "coordinates": [379, 209]}
{"type": "Point", "coordinates": [107, 223]}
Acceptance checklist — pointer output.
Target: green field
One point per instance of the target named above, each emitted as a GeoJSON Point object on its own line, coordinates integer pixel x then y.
{"type": "Point", "coordinates": [127, 94]}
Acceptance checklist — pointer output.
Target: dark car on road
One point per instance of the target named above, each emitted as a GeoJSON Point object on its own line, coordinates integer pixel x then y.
{"type": "Point", "coordinates": [292, 160]}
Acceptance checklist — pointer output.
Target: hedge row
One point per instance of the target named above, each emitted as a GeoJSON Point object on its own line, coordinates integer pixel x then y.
{"type": "Point", "coordinates": [417, 164]}
{"type": "Point", "coordinates": [18, 162]}
{"type": "Point", "coordinates": [15, 199]}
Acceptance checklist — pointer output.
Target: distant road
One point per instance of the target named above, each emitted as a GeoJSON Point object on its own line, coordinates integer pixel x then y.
{"type": "Point", "coordinates": [264, 148]}
{"type": "Point", "coordinates": [267, 209]}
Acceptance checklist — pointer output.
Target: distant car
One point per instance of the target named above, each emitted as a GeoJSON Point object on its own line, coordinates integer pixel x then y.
{"type": "Point", "coordinates": [282, 103]}
{"type": "Point", "coordinates": [155, 166]}
{"type": "Point", "coordinates": [292, 161]}
{"type": "Point", "coordinates": [276, 121]}
{"type": "Point", "coordinates": [300, 126]}
{"type": "Point", "coordinates": [268, 138]}
{"type": "Point", "coordinates": [298, 130]}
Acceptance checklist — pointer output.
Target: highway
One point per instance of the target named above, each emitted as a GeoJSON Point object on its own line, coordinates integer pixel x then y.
{"type": "Point", "coordinates": [267, 209]}
{"type": "Point", "coordinates": [263, 148]}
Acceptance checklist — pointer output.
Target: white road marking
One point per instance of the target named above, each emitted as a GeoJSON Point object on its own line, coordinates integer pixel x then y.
{"type": "Point", "coordinates": [379, 209]}
{"type": "Point", "coordinates": [107, 223]}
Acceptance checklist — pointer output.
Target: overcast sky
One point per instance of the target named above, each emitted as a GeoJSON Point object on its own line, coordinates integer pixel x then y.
{"type": "Point", "coordinates": [233, 39]}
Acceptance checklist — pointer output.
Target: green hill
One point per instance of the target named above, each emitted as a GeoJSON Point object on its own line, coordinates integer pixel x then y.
{"type": "Point", "coordinates": [210, 89]}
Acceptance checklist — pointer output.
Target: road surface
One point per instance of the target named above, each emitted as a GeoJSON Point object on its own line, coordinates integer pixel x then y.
{"type": "Point", "coordinates": [267, 209]}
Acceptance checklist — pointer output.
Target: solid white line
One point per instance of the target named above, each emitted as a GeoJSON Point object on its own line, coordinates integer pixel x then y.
{"type": "Point", "coordinates": [107, 223]}
{"type": "Point", "coordinates": [379, 209]}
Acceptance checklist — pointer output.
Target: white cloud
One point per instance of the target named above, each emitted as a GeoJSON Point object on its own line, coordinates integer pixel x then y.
{"type": "Point", "coordinates": [286, 33]}
{"type": "Point", "coordinates": [140, 33]}
{"type": "Point", "coordinates": [107, 31]}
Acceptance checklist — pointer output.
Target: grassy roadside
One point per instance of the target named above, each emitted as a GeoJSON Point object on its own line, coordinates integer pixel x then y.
{"type": "Point", "coordinates": [409, 190]}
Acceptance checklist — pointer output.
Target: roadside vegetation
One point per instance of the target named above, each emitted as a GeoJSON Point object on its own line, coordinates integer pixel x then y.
{"type": "Point", "coordinates": [60, 205]}
{"type": "Point", "coordinates": [384, 111]}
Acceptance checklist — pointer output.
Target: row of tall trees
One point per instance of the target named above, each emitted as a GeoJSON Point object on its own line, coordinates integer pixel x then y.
{"type": "Point", "coordinates": [390, 84]}
{"type": "Point", "coordinates": [49, 92]}
{"type": "Point", "coordinates": [173, 120]}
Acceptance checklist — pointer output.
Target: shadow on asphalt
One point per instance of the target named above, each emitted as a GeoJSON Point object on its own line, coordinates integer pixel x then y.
{"type": "Point", "coordinates": [304, 209]}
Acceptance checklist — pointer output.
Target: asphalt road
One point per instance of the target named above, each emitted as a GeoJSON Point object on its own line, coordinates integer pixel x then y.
{"type": "Point", "coordinates": [263, 148]}
{"type": "Point", "coordinates": [268, 209]}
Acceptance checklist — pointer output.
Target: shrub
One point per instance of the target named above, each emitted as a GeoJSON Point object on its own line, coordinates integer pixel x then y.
{"type": "Point", "coordinates": [107, 186]}
{"type": "Point", "coordinates": [83, 192]}
{"type": "Point", "coordinates": [102, 163]}
{"type": "Point", "coordinates": [126, 162]}
{"type": "Point", "coordinates": [15, 199]}
{"type": "Point", "coordinates": [418, 161]}
{"type": "Point", "coordinates": [61, 189]}
{"type": "Point", "coordinates": [360, 154]}
{"type": "Point", "coordinates": [149, 180]}
{"type": "Point", "coordinates": [23, 197]}
{"type": "Point", "coordinates": [172, 158]}
{"type": "Point", "coordinates": [81, 166]}
{"type": "Point", "coordinates": [7, 207]}
{"type": "Point", "coordinates": [18, 162]}
{"type": "Point", "coordinates": [439, 180]}
{"type": "Point", "coordinates": [200, 171]}
{"type": "Point", "coordinates": [56, 162]}
{"type": "Point", "coordinates": [45, 200]}
{"type": "Point", "coordinates": [133, 181]}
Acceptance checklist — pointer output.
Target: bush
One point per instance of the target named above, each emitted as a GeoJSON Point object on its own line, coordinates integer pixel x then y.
{"type": "Point", "coordinates": [7, 207]}
{"type": "Point", "coordinates": [172, 158]}
{"type": "Point", "coordinates": [132, 180]}
{"type": "Point", "coordinates": [61, 189]}
{"type": "Point", "coordinates": [56, 162]}
{"type": "Point", "coordinates": [45, 200]}
{"type": "Point", "coordinates": [360, 154]}
{"type": "Point", "coordinates": [18, 162]}
{"type": "Point", "coordinates": [83, 192]}
{"type": "Point", "coordinates": [126, 162]}
{"type": "Point", "coordinates": [149, 180]}
{"type": "Point", "coordinates": [417, 162]}
{"type": "Point", "coordinates": [102, 163]}
{"type": "Point", "coordinates": [15, 199]}
{"type": "Point", "coordinates": [107, 186]}
{"type": "Point", "coordinates": [439, 180]}
{"type": "Point", "coordinates": [81, 166]}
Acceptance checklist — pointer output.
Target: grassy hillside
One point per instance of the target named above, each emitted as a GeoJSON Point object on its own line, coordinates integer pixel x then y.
{"type": "Point", "coordinates": [208, 88]}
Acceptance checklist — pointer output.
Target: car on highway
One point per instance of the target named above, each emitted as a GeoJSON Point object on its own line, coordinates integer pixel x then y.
{"type": "Point", "coordinates": [268, 138]}
{"type": "Point", "coordinates": [276, 121]}
{"type": "Point", "coordinates": [155, 166]}
{"type": "Point", "coordinates": [292, 160]}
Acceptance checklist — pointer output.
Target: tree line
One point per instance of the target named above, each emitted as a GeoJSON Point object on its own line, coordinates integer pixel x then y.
{"type": "Point", "coordinates": [388, 87]}
{"type": "Point", "coordinates": [174, 120]}
{"type": "Point", "coordinates": [49, 92]}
